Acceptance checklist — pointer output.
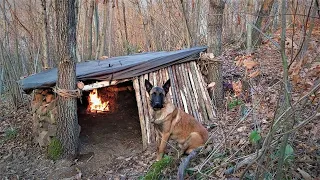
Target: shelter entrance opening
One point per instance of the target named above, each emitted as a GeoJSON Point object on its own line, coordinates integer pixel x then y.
{"type": "Point", "coordinates": [109, 122]}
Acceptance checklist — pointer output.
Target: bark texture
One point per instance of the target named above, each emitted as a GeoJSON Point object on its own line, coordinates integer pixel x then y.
{"type": "Point", "coordinates": [67, 122]}
{"type": "Point", "coordinates": [215, 21]}
{"type": "Point", "coordinates": [263, 13]}
{"type": "Point", "coordinates": [104, 47]}
{"type": "Point", "coordinates": [45, 36]}
{"type": "Point", "coordinates": [90, 21]}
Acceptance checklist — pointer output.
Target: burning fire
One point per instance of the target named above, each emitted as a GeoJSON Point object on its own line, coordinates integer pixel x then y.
{"type": "Point", "coordinates": [95, 103]}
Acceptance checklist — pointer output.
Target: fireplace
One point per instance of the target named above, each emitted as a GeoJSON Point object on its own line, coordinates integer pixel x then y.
{"type": "Point", "coordinates": [110, 127]}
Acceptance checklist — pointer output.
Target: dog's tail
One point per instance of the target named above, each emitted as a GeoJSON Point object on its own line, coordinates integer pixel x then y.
{"type": "Point", "coordinates": [184, 164]}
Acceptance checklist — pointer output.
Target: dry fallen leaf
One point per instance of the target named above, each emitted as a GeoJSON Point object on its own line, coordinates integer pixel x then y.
{"type": "Point", "coordinates": [254, 74]}
{"type": "Point", "coordinates": [238, 63]}
{"type": "Point", "coordinates": [241, 142]}
{"type": "Point", "coordinates": [314, 70]}
{"type": "Point", "coordinates": [296, 79]}
{"type": "Point", "coordinates": [237, 88]}
{"type": "Point", "coordinates": [249, 63]}
{"type": "Point", "coordinates": [304, 174]}
{"type": "Point", "coordinates": [241, 129]}
{"type": "Point", "coordinates": [103, 57]}
{"type": "Point", "coordinates": [290, 44]}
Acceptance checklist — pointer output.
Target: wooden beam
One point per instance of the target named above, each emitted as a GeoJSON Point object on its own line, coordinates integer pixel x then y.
{"type": "Point", "coordinates": [101, 84]}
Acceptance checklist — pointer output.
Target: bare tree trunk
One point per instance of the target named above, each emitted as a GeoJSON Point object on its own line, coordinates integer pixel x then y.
{"type": "Point", "coordinates": [67, 123]}
{"type": "Point", "coordinates": [123, 42]}
{"type": "Point", "coordinates": [1, 79]}
{"type": "Point", "coordinates": [84, 33]}
{"type": "Point", "coordinates": [90, 20]}
{"type": "Point", "coordinates": [17, 66]}
{"type": "Point", "coordinates": [215, 21]}
{"type": "Point", "coordinates": [144, 21]}
{"type": "Point", "coordinates": [196, 24]}
{"type": "Point", "coordinates": [78, 16]}
{"type": "Point", "coordinates": [154, 42]}
{"type": "Point", "coordinates": [10, 66]}
{"type": "Point", "coordinates": [263, 12]}
{"type": "Point", "coordinates": [111, 6]}
{"type": "Point", "coordinates": [125, 22]}
{"type": "Point", "coordinates": [103, 47]}
{"type": "Point", "coordinates": [52, 32]}
{"type": "Point", "coordinates": [45, 36]}
{"type": "Point", "coordinates": [186, 24]}
{"type": "Point", "coordinates": [250, 9]}
{"type": "Point", "coordinates": [275, 19]}
{"type": "Point", "coordinates": [1, 56]}
{"type": "Point", "coordinates": [96, 20]}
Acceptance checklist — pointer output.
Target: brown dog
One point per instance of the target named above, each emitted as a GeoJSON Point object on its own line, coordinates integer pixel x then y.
{"type": "Point", "coordinates": [173, 122]}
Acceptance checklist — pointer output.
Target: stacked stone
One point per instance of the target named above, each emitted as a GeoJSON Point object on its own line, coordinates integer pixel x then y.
{"type": "Point", "coordinates": [44, 109]}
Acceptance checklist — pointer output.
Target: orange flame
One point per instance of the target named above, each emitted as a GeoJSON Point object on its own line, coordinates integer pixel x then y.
{"type": "Point", "coordinates": [95, 103]}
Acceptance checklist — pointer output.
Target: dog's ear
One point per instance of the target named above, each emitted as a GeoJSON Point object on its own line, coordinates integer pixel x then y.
{"type": "Point", "coordinates": [166, 86]}
{"type": "Point", "coordinates": [148, 85]}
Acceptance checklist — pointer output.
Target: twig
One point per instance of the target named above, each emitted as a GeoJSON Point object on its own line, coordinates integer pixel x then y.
{"type": "Point", "coordinates": [278, 119]}
{"type": "Point", "coordinates": [304, 41]}
{"type": "Point", "coordinates": [220, 144]}
{"type": "Point", "coordinates": [264, 34]}
{"type": "Point", "coordinates": [300, 125]}
{"type": "Point", "coordinates": [295, 104]}
{"type": "Point", "coordinates": [90, 158]}
{"type": "Point", "coordinates": [235, 126]}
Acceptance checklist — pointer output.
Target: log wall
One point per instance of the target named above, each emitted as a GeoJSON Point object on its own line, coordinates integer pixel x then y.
{"type": "Point", "coordinates": [188, 92]}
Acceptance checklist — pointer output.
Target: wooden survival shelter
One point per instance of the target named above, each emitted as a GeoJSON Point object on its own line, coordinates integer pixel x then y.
{"type": "Point", "coordinates": [188, 90]}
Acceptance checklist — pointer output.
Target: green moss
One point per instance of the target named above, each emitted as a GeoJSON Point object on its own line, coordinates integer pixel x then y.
{"type": "Point", "coordinates": [54, 149]}
{"type": "Point", "coordinates": [10, 133]}
{"type": "Point", "coordinates": [234, 103]}
{"type": "Point", "coordinates": [156, 168]}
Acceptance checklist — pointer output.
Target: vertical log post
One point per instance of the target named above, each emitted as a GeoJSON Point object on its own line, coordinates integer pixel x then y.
{"type": "Point", "coordinates": [136, 87]}
{"type": "Point", "coordinates": [205, 93]}
{"type": "Point", "coordinates": [190, 89]}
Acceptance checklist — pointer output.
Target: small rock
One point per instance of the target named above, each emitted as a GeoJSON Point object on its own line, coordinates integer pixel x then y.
{"type": "Point", "coordinates": [53, 115]}
{"type": "Point", "coordinates": [22, 154]}
{"type": "Point", "coordinates": [8, 156]}
{"type": "Point", "coordinates": [109, 172]}
{"type": "Point", "coordinates": [42, 110]}
{"type": "Point", "coordinates": [26, 170]}
{"type": "Point", "coordinates": [120, 158]}
{"type": "Point", "coordinates": [64, 163]}
{"type": "Point", "coordinates": [43, 138]}
{"type": "Point", "coordinates": [35, 123]}
{"type": "Point", "coordinates": [44, 125]}
{"type": "Point", "coordinates": [34, 106]}
{"type": "Point", "coordinates": [52, 129]}
{"type": "Point", "coordinates": [44, 119]}
{"type": "Point", "coordinates": [123, 177]}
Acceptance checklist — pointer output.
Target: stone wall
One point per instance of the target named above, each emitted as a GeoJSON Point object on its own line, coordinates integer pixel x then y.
{"type": "Point", "coordinates": [44, 109]}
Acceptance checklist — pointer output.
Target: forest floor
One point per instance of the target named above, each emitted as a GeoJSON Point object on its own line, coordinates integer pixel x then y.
{"type": "Point", "coordinates": [122, 158]}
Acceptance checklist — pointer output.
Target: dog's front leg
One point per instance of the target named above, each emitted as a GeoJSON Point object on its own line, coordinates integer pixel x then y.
{"type": "Point", "coordinates": [163, 143]}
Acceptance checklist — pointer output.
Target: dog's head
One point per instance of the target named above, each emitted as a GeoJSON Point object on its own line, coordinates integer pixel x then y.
{"type": "Point", "coordinates": [157, 94]}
